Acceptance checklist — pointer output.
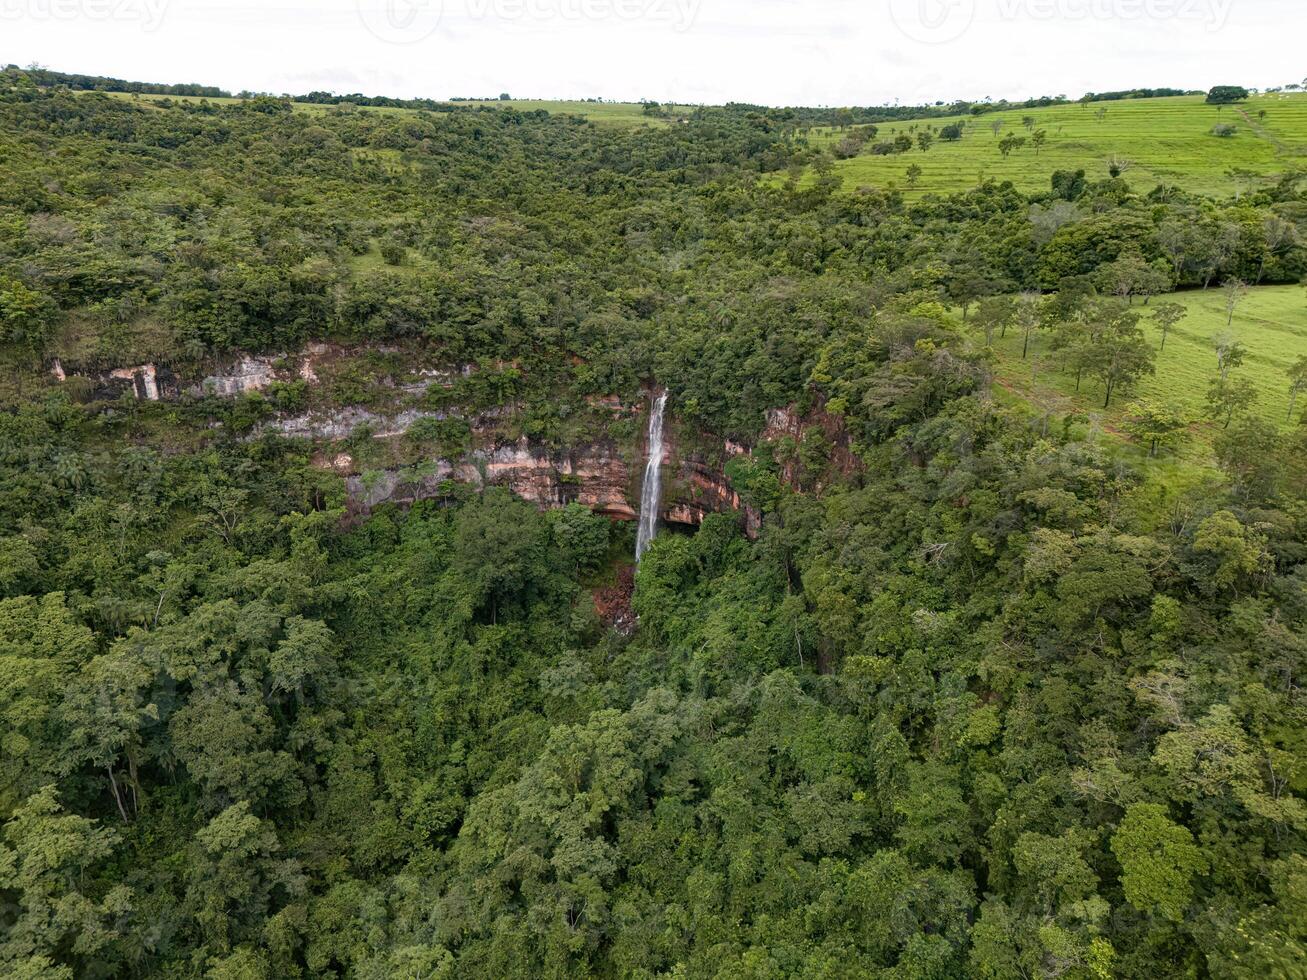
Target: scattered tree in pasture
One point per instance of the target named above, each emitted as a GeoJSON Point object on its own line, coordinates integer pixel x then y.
{"type": "Point", "coordinates": [1157, 425]}
{"type": "Point", "coordinates": [914, 174]}
{"type": "Point", "coordinates": [1074, 338]}
{"type": "Point", "coordinates": [1230, 353]}
{"type": "Point", "coordinates": [1297, 383]}
{"type": "Point", "coordinates": [995, 313]}
{"type": "Point", "coordinates": [1229, 396]}
{"type": "Point", "coordinates": [1167, 316]}
{"type": "Point", "coordinates": [1038, 140]}
{"type": "Point", "coordinates": [1027, 318]}
{"type": "Point", "coordinates": [1010, 142]}
{"type": "Point", "coordinates": [1236, 291]}
{"type": "Point", "coordinates": [1119, 354]}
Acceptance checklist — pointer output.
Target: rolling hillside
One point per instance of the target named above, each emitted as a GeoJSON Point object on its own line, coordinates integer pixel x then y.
{"type": "Point", "coordinates": [1166, 141]}
{"type": "Point", "coordinates": [1271, 323]}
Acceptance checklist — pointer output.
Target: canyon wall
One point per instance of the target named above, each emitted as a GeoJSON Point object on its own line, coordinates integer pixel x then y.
{"type": "Point", "coordinates": [598, 475]}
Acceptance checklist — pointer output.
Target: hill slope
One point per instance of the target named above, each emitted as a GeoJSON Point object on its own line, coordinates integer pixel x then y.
{"type": "Point", "coordinates": [1168, 141]}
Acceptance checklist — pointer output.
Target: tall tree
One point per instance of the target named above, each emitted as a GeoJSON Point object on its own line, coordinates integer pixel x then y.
{"type": "Point", "coordinates": [1297, 383]}
{"type": "Point", "coordinates": [1119, 354]}
{"type": "Point", "coordinates": [1167, 316]}
{"type": "Point", "coordinates": [1156, 424]}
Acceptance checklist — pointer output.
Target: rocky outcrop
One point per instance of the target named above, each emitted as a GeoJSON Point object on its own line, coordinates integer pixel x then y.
{"type": "Point", "coordinates": [146, 382]}
{"type": "Point", "coordinates": [597, 476]}
{"type": "Point", "coordinates": [246, 375]}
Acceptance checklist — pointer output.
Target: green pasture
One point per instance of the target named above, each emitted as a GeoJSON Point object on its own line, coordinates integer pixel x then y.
{"type": "Point", "coordinates": [1271, 322]}
{"type": "Point", "coordinates": [1164, 141]}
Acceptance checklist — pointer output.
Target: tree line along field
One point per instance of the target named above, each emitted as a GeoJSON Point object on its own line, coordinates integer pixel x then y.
{"type": "Point", "coordinates": [1270, 322]}
{"type": "Point", "coordinates": [1166, 141]}
{"type": "Point", "coordinates": [622, 114]}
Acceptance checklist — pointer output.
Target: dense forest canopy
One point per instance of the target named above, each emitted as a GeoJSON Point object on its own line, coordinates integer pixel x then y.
{"type": "Point", "coordinates": [992, 703]}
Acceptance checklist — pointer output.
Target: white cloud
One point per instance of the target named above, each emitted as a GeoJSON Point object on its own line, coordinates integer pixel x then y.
{"type": "Point", "coordinates": [831, 52]}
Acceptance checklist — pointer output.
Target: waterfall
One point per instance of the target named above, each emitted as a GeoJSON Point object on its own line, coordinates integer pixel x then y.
{"type": "Point", "coordinates": [651, 492]}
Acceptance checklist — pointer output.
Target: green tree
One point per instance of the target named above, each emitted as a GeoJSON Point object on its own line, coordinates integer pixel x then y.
{"type": "Point", "coordinates": [27, 317]}
{"type": "Point", "coordinates": [1297, 383]}
{"type": "Point", "coordinates": [1251, 454]}
{"type": "Point", "coordinates": [1009, 143]}
{"type": "Point", "coordinates": [1228, 397]}
{"type": "Point", "coordinates": [995, 313]}
{"type": "Point", "coordinates": [44, 862]}
{"type": "Point", "coordinates": [581, 535]}
{"type": "Point", "coordinates": [1027, 317]}
{"type": "Point", "coordinates": [235, 880]}
{"type": "Point", "coordinates": [1167, 316]}
{"type": "Point", "coordinates": [1119, 355]}
{"type": "Point", "coordinates": [1156, 424]}
{"type": "Point", "coordinates": [1159, 861]}
{"type": "Point", "coordinates": [1233, 552]}
{"type": "Point", "coordinates": [1226, 95]}
{"type": "Point", "coordinates": [499, 550]}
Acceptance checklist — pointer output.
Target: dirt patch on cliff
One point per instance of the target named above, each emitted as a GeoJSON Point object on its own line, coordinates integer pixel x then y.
{"type": "Point", "coordinates": [613, 601]}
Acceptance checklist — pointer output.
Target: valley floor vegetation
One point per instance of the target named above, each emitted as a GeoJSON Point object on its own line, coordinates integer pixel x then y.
{"type": "Point", "coordinates": [992, 702]}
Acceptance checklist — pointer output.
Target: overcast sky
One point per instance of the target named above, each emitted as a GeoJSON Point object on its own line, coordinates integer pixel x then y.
{"type": "Point", "coordinates": [778, 52]}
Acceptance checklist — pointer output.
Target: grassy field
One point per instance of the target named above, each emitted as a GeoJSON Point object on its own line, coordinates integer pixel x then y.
{"type": "Point", "coordinates": [1271, 322]}
{"type": "Point", "coordinates": [1167, 141]}
{"type": "Point", "coordinates": [628, 114]}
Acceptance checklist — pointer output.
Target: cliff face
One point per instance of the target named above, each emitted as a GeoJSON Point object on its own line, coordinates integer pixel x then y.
{"type": "Point", "coordinates": [599, 475]}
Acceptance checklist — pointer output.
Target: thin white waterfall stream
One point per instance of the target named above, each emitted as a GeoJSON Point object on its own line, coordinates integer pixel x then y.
{"type": "Point", "coordinates": [651, 492]}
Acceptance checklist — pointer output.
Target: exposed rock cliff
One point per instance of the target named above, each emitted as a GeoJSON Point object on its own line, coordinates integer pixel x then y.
{"type": "Point", "coordinates": [602, 475]}
{"type": "Point", "coordinates": [598, 476]}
